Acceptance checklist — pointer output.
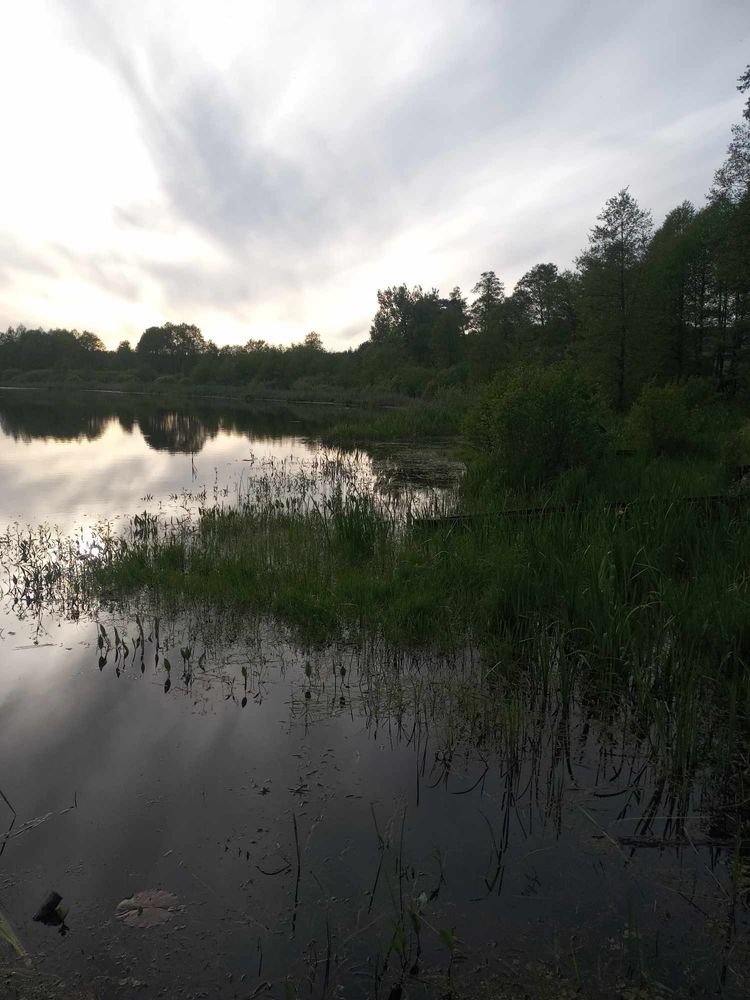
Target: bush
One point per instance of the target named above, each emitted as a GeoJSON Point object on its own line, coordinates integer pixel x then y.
{"type": "Point", "coordinates": [538, 422]}
{"type": "Point", "coordinates": [662, 421]}
{"type": "Point", "coordinates": [448, 381]}
{"type": "Point", "coordinates": [410, 380]}
{"type": "Point", "coordinates": [735, 452]}
{"type": "Point", "coordinates": [205, 372]}
{"type": "Point", "coordinates": [36, 376]}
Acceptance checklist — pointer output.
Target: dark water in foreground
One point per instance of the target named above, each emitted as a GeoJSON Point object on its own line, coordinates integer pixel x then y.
{"type": "Point", "coordinates": [333, 821]}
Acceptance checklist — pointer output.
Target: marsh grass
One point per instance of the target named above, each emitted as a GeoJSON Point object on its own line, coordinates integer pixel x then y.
{"type": "Point", "coordinates": [646, 610]}
{"type": "Point", "coordinates": [516, 641]}
{"type": "Point", "coordinates": [658, 584]}
{"type": "Point", "coordinates": [621, 586]}
{"type": "Point", "coordinates": [426, 420]}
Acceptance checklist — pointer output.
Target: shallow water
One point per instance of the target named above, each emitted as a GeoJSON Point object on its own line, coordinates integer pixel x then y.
{"type": "Point", "coordinates": [333, 819]}
{"type": "Point", "coordinates": [70, 459]}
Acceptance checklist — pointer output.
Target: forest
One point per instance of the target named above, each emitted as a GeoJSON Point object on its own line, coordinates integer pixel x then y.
{"type": "Point", "coordinates": [640, 304]}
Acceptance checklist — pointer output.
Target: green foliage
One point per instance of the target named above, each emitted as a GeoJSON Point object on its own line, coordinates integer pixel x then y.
{"type": "Point", "coordinates": [732, 179]}
{"type": "Point", "coordinates": [537, 422]}
{"type": "Point", "coordinates": [355, 524]}
{"type": "Point", "coordinates": [735, 452]}
{"type": "Point", "coordinates": [615, 580]}
{"type": "Point", "coordinates": [662, 421]}
{"type": "Point", "coordinates": [611, 270]}
{"type": "Point", "coordinates": [427, 420]}
{"type": "Point", "coordinates": [174, 345]}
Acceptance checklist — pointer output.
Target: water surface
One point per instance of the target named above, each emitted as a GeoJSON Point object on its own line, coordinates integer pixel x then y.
{"type": "Point", "coordinates": [343, 818]}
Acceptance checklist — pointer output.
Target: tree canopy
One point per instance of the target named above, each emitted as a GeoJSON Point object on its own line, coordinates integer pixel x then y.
{"type": "Point", "coordinates": [641, 304]}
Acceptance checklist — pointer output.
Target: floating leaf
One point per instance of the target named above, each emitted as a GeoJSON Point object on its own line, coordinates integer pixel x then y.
{"type": "Point", "coordinates": [147, 909]}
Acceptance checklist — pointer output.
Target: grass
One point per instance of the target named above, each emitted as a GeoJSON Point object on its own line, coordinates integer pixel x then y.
{"type": "Point", "coordinates": [179, 386]}
{"type": "Point", "coordinates": [649, 609]}
{"type": "Point", "coordinates": [427, 420]}
{"type": "Point", "coordinates": [639, 621]}
{"type": "Point", "coordinates": [663, 582]}
{"type": "Point", "coordinates": [667, 569]}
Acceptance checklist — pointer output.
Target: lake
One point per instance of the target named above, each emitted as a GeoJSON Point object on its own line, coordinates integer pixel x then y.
{"type": "Point", "coordinates": [345, 819]}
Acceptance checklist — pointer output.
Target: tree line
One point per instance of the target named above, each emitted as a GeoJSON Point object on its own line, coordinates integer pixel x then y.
{"type": "Point", "coordinates": [639, 304]}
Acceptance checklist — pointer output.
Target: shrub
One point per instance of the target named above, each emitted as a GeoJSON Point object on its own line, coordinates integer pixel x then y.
{"type": "Point", "coordinates": [735, 452]}
{"type": "Point", "coordinates": [36, 376]}
{"type": "Point", "coordinates": [662, 422]}
{"type": "Point", "coordinates": [538, 421]}
{"type": "Point", "coordinates": [411, 380]}
{"type": "Point", "coordinates": [204, 372]}
{"type": "Point", "coordinates": [448, 382]}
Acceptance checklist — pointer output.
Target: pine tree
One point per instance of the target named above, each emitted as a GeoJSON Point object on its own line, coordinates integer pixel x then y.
{"type": "Point", "coordinates": [611, 272]}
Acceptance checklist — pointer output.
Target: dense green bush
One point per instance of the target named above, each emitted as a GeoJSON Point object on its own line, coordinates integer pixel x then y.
{"type": "Point", "coordinates": [36, 376]}
{"type": "Point", "coordinates": [662, 420]}
{"type": "Point", "coordinates": [409, 380]}
{"type": "Point", "coordinates": [537, 422]}
{"type": "Point", "coordinates": [735, 452]}
{"type": "Point", "coordinates": [448, 382]}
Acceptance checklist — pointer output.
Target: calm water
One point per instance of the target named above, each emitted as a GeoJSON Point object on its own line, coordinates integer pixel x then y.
{"type": "Point", "coordinates": [314, 811]}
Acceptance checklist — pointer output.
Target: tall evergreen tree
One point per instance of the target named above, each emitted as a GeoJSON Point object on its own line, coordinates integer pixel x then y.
{"type": "Point", "coordinates": [664, 312]}
{"type": "Point", "coordinates": [484, 311]}
{"type": "Point", "coordinates": [611, 272]}
{"type": "Point", "coordinates": [732, 179]}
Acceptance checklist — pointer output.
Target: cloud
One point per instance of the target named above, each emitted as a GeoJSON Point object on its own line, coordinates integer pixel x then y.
{"type": "Point", "coordinates": [263, 168]}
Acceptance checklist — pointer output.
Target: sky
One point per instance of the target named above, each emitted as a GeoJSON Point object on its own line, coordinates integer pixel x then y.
{"type": "Point", "coordinates": [262, 167]}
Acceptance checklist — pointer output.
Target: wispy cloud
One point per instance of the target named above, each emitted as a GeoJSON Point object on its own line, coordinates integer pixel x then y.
{"type": "Point", "coordinates": [262, 168]}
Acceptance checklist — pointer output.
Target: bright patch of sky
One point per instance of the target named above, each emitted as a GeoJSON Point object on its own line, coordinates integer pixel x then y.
{"type": "Point", "coordinates": [262, 168]}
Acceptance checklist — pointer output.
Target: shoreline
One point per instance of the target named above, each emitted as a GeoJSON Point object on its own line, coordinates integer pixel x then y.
{"type": "Point", "coordinates": [241, 396]}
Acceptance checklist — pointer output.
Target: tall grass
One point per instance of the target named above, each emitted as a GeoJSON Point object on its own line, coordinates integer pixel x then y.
{"type": "Point", "coordinates": [625, 584]}
{"type": "Point", "coordinates": [418, 421]}
{"type": "Point", "coordinates": [644, 612]}
{"type": "Point", "coordinates": [632, 624]}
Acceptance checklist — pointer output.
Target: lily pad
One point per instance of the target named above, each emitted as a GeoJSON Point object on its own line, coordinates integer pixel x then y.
{"type": "Point", "coordinates": [149, 908]}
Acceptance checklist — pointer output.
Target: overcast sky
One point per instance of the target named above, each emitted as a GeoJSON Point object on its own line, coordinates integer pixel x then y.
{"type": "Point", "coordinates": [262, 167]}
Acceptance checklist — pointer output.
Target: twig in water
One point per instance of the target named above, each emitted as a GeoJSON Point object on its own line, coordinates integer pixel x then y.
{"type": "Point", "coordinates": [299, 874]}
{"type": "Point", "coordinates": [12, 821]}
{"type": "Point", "coordinates": [610, 838]}
{"type": "Point", "coordinates": [32, 823]}
{"type": "Point", "coordinates": [278, 871]}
